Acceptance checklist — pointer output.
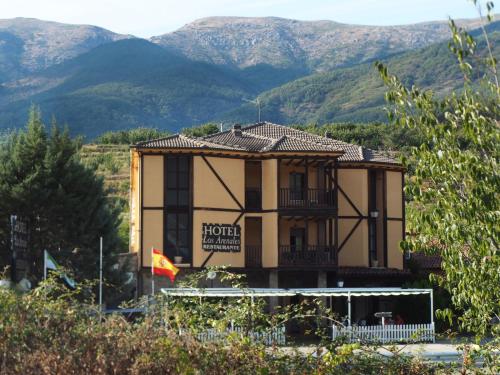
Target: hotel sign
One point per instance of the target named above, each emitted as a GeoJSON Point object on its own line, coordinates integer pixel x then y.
{"type": "Point", "coordinates": [221, 237]}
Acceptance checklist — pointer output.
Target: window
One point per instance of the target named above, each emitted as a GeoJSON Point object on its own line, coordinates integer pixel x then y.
{"type": "Point", "coordinates": [297, 185]}
{"type": "Point", "coordinates": [177, 236]}
{"type": "Point", "coordinates": [177, 211]}
{"type": "Point", "coordinates": [177, 181]}
{"type": "Point", "coordinates": [297, 239]}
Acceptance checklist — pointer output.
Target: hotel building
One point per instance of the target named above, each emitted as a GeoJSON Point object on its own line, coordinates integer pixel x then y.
{"type": "Point", "coordinates": [286, 207]}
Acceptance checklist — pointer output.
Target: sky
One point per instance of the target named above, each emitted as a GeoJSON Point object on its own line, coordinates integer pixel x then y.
{"type": "Point", "coordinates": [145, 18]}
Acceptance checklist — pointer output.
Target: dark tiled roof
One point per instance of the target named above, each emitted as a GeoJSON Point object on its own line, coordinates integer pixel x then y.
{"type": "Point", "coordinates": [180, 141]}
{"type": "Point", "coordinates": [247, 142]}
{"type": "Point", "coordinates": [268, 137]}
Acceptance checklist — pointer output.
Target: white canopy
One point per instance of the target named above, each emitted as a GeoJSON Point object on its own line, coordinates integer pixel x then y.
{"type": "Point", "coordinates": [277, 292]}
{"type": "Point", "coordinates": [359, 292]}
{"type": "Point", "coordinates": [313, 292]}
{"type": "Point", "coordinates": [227, 292]}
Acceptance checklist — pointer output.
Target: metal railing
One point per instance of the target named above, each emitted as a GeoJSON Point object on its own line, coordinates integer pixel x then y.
{"type": "Point", "coordinates": [253, 256]}
{"type": "Point", "coordinates": [306, 198]}
{"type": "Point", "coordinates": [306, 255]}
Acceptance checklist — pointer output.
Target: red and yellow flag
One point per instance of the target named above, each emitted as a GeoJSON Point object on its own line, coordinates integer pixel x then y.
{"type": "Point", "coordinates": [162, 266]}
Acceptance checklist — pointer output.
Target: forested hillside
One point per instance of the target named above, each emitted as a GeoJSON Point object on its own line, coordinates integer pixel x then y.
{"type": "Point", "coordinates": [357, 93]}
{"type": "Point", "coordinates": [127, 84]}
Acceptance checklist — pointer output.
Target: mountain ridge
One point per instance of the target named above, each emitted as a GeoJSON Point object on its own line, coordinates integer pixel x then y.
{"type": "Point", "coordinates": [134, 82]}
{"type": "Point", "coordinates": [315, 45]}
{"type": "Point", "coordinates": [28, 44]}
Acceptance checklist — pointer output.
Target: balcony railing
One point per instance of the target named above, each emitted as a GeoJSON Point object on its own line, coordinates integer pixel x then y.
{"type": "Point", "coordinates": [307, 256]}
{"type": "Point", "coordinates": [306, 198]}
{"type": "Point", "coordinates": [253, 199]}
{"type": "Point", "coordinates": [253, 256]}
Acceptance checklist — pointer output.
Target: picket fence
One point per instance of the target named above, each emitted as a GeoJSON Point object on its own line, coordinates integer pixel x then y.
{"type": "Point", "coordinates": [275, 336]}
{"type": "Point", "coordinates": [387, 333]}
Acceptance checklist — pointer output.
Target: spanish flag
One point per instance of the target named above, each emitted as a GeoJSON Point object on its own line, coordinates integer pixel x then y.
{"type": "Point", "coordinates": [162, 266]}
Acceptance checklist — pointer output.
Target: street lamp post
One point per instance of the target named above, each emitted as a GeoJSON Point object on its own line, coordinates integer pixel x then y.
{"type": "Point", "coordinates": [373, 237]}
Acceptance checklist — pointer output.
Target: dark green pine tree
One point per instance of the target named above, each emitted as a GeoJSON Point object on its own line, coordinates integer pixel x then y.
{"type": "Point", "coordinates": [42, 179]}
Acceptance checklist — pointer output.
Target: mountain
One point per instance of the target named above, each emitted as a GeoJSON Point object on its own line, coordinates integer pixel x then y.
{"type": "Point", "coordinates": [28, 45]}
{"type": "Point", "coordinates": [356, 94]}
{"type": "Point", "coordinates": [96, 81]}
{"type": "Point", "coordinates": [125, 84]}
{"type": "Point", "coordinates": [312, 46]}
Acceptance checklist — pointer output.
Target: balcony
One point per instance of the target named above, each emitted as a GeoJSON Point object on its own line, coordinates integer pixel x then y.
{"type": "Point", "coordinates": [253, 199]}
{"type": "Point", "coordinates": [253, 256]}
{"type": "Point", "coordinates": [306, 198]}
{"type": "Point", "coordinates": [290, 256]}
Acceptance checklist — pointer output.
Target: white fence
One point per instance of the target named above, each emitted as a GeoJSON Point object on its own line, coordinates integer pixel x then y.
{"type": "Point", "coordinates": [274, 336]}
{"type": "Point", "coordinates": [387, 333]}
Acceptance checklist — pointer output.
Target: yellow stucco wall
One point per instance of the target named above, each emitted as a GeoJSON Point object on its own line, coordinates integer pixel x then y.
{"type": "Point", "coordinates": [135, 202]}
{"type": "Point", "coordinates": [394, 236]}
{"type": "Point", "coordinates": [152, 234]}
{"type": "Point", "coordinates": [355, 251]}
{"type": "Point", "coordinates": [209, 192]}
{"type": "Point", "coordinates": [354, 182]}
{"type": "Point", "coordinates": [394, 227]}
{"type": "Point", "coordinates": [152, 181]}
{"type": "Point", "coordinates": [269, 184]}
{"type": "Point", "coordinates": [269, 240]}
{"type": "Point", "coordinates": [394, 194]}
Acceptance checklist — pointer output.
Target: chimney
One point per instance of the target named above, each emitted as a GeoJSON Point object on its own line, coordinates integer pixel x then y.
{"type": "Point", "coordinates": [328, 135]}
{"type": "Point", "coordinates": [237, 130]}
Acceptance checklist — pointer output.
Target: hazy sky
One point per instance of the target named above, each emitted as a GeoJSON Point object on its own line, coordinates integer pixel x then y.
{"type": "Point", "coordinates": [153, 17]}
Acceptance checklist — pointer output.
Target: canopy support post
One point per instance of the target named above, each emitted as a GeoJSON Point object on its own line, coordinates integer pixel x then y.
{"type": "Point", "coordinates": [432, 306]}
{"type": "Point", "coordinates": [349, 309]}
{"type": "Point", "coordinates": [432, 315]}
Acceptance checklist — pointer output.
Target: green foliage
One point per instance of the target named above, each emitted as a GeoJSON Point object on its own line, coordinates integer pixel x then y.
{"type": "Point", "coordinates": [133, 136]}
{"type": "Point", "coordinates": [457, 183]}
{"type": "Point", "coordinates": [201, 131]}
{"type": "Point", "coordinates": [355, 93]}
{"type": "Point", "coordinates": [111, 162]}
{"type": "Point", "coordinates": [130, 137]}
{"type": "Point", "coordinates": [42, 180]}
{"type": "Point", "coordinates": [377, 136]}
{"type": "Point", "coordinates": [127, 84]}
{"type": "Point", "coordinates": [51, 330]}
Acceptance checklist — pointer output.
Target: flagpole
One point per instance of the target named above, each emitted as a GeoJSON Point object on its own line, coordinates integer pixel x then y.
{"type": "Point", "coordinates": [45, 265]}
{"type": "Point", "coordinates": [100, 273]}
{"type": "Point", "coordinates": [152, 275]}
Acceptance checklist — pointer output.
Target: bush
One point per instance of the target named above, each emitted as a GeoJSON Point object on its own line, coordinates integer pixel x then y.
{"type": "Point", "coordinates": [51, 330]}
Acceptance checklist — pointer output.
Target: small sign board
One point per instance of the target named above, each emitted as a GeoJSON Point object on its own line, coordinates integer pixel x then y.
{"type": "Point", "coordinates": [19, 246]}
{"type": "Point", "coordinates": [221, 237]}
{"type": "Point", "coordinates": [383, 314]}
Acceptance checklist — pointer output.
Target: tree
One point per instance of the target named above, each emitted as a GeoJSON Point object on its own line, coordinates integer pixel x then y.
{"type": "Point", "coordinates": [42, 180]}
{"type": "Point", "coordinates": [131, 136]}
{"type": "Point", "coordinates": [456, 195]}
{"type": "Point", "coordinates": [201, 130]}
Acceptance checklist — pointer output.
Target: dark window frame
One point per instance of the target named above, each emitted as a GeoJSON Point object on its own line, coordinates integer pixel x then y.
{"type": "Point", "coordinates": [297, 192]}
{"type": "Point", "coordinates": [178, 168]}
